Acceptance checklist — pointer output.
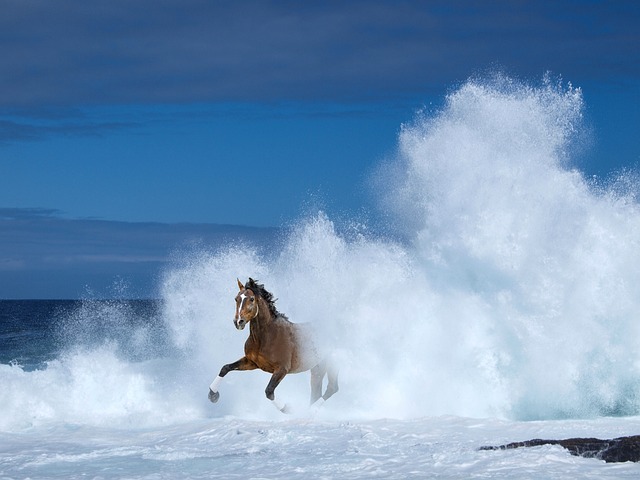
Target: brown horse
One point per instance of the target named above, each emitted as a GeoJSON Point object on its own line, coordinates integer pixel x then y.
{"type": "Point", "coordinates": [275, 345]}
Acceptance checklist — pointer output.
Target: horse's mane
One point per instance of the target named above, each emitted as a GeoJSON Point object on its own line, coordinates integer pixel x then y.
{"type": "Point", "coordinates": [260, 291]}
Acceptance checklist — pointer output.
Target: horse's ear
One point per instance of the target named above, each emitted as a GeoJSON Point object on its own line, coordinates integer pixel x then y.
{"type": "Point", "coordinates": [240, 286]}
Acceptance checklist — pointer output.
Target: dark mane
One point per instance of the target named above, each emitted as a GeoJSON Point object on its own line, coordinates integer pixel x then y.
{"type": "Point", "coordinates": [260, 291]}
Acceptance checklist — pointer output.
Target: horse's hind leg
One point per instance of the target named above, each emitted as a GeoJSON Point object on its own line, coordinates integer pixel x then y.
{"type": "Point", "coordinates": [332, 386]}
{"type": "Point", "coordinates": [317, 374]}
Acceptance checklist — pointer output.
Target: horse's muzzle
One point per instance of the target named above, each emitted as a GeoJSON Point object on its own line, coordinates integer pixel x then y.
{"type": "Point", "coordinates": [239, 323]}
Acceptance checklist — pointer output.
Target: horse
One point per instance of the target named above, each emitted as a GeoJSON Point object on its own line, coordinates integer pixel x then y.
{"type": "Point", "coordinates": [277, 346]}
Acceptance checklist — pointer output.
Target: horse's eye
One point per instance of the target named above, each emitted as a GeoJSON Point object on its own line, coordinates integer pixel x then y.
{"type": "Point", "coordinates": [252, 299]}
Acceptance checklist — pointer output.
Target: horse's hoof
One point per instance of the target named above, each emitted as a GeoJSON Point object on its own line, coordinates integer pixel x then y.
{"type": "Point", "coordinates": [314, 408]}
{"type": "Point", "coordinates": [286, 410]}
{"type": "Point", "coordinates": [213, 396]}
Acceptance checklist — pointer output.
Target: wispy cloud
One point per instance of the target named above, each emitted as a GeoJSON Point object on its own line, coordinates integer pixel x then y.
{"type": "Point", "coordinates": [36, 129]}
{"type": "Point", "coordinates": [40, 244]}
{"type": "Point", "coordinates": [27, 213]}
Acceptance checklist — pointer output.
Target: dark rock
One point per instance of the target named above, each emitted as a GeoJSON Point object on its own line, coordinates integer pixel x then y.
{"type": "Point", "coordinates": [622, 449]}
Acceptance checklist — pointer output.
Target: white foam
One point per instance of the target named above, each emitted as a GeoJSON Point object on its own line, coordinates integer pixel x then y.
{"type": "Point", "coordinates": [92, 388]}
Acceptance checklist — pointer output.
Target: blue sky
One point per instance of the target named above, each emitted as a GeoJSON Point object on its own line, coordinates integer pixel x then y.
{"type": "Point", "coordinates": [196, 112]}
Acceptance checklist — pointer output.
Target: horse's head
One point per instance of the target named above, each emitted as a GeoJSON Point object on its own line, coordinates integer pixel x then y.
{"type": "Point", "coordinates": [246, 307]}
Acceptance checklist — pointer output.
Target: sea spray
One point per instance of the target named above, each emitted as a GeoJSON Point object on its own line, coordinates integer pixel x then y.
{"type": "Point", "coordinates": [512, 288]}
{"type": "Point", "coordinates": [114, 367]}
{"type": "Point", "coordinates": [372, 309]}
{"type": "Point", "coordinates": [502, 215]}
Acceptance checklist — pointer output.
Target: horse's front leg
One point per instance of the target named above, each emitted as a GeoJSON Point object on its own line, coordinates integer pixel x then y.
{"type": "Point", "coordinates": [276, 378]}
{"type": "Point", "coordinates": [243, 364]}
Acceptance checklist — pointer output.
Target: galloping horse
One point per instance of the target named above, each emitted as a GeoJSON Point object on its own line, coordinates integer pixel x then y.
{"type": "Point", "coordinates": [275, 345]}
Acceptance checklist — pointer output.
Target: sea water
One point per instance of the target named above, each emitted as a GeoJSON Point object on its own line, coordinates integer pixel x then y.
{"type": "Point", "coordinates": [499, 304]}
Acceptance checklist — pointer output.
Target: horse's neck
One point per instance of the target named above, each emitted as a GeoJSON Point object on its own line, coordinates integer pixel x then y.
{"type": "Point", "coordinates": [258, 325]}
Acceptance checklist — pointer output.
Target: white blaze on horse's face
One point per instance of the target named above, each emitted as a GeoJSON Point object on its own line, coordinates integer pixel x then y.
{"type": "Point", "coordinates": [246, 309]}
